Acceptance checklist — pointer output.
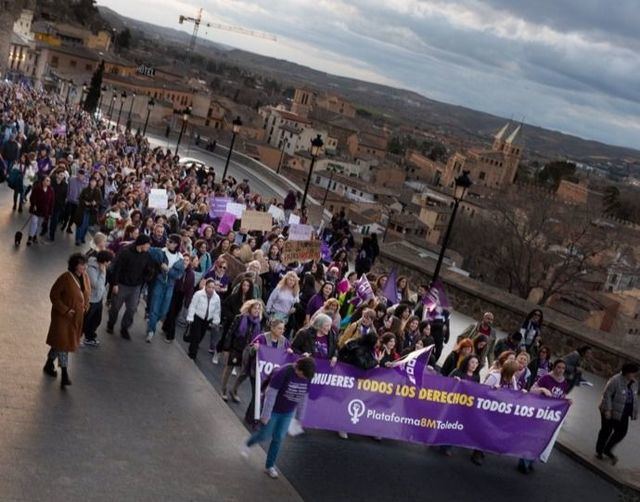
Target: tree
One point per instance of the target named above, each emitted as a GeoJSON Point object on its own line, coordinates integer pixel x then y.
{"type": "Point", "coordinates": [93, 95]}
{"type": "Point", "coordinates": [123, 39]}
{"type": "Point", "coordinates": [548, 248]}
{"type": "Point", "coordinates": [553, 172]}
{"type": "Point", "coordinates": [438, 153]}
{"type": "Point", "coordinates": [395, 146]}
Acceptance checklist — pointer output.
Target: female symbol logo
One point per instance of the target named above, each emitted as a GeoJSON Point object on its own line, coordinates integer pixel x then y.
{"type": "Point", "coordinates": [355, 408]}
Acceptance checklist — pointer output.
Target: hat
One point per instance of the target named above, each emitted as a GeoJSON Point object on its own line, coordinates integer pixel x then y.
{"type": "Point", "coordinates": [141, 240]}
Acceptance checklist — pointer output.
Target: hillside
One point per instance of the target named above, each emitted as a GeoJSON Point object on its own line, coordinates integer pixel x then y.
{"type": "Point", "coordinates": [398, 104]}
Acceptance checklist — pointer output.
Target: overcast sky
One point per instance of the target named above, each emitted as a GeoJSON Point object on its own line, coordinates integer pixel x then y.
{"type": "Point", "coordinates": [571, 65]}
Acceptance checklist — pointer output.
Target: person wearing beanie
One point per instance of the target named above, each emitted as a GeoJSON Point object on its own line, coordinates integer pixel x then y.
{"type": "Point", "coordinates": [131, 268]}
{"type": "Point", "coordinates": [170, 266]}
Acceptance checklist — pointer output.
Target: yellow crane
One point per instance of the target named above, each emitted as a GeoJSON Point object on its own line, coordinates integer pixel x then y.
{"type": "Point", "coordinates": [197, 22]}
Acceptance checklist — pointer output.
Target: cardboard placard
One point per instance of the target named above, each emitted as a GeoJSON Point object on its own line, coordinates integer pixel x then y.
{"type": "Point", "coordinates": [300, 251]}
{"type": "Point", "coordinates": [300, 232]}
{"type": "Point", "coordinates": [256, 220]}
{"type": "Point", "coordinates": [236, 209]}
{"type": "Point", "coordinates": [158, 198]}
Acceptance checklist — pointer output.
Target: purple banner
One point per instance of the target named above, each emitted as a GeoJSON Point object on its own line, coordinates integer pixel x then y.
{"type": "Point", "coordinates": [390, 290]}
{"type": "Point", "coordinates": [435, 301]}
{"type": "Point", "coordinates": [418, 406]}
{"type": "Point", "coordinates": [218, 206]}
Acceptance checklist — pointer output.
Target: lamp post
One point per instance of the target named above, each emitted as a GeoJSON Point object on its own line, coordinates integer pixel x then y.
{"type": "Point", "coordinates": [316, 145]}
{"type": "Point", "coordinates": [237, 124]}
{"type": "Point", "coordinates": [114, 96]}
{"type": "Point", "coordinates": [84, 93]}
{"type": "Point", "coordinates": [103, 90]}
{"type": "Point", "coordinates": [285, 144]}
{"type": "Point", "coordinates": [462, 183]}
{"type": "Point", "coordinates": [123, 96]}
{"type": "Point", "coordinates": [150, 106]}
{"type": "Point", "coordinates": [326, 192]}
{"type": "Point", "coordinates": [185, 118]}
{"type": "Point", "coordinates": [133, 98]}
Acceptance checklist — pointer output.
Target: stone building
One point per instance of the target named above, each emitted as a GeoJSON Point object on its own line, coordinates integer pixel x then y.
{"type": "Point", "coordinates": [495, 167]}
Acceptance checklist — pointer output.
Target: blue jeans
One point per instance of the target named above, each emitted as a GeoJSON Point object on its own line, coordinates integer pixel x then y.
{"type": "Point", "coordinates": [159, 304]}
{"type": "Point", "coordinates": [81, 231]}
{"type": "Point", "coordinates": [277, 428]}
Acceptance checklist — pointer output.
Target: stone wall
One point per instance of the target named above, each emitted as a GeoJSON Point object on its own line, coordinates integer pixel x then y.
{"type": "Point", "coordinates": [473, 298]}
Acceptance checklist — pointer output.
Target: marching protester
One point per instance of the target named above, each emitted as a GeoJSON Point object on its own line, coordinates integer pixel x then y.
{"type": "Point", "coordinates": [574, 361]}
{"type": "Point", "coordinates": [69, 296]}
{"type": "Point", "coordinates": [619, 404]}
{"type": "Point", "coordinates": [285, 396]}
{"type": "Point", "coordinates": [97, 272]}
{"type": "Point", "coordinates": [204, 313]}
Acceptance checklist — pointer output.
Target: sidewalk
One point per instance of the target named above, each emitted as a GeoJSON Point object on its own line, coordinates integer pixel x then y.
{"type": "Point", "coordinates": [580, 430]}
{"type": "Point", "coordinates": [139, 423]}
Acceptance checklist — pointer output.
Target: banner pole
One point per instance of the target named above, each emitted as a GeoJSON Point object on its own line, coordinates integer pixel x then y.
{"type": "Point", "coordinates": [256, 397]}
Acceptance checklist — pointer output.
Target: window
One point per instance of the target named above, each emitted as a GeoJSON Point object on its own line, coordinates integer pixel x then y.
{"type": "Point", "coordinates": [207, 122]}
{"type": "Point", "coordinates": [73, 63]}
{"type": "Point", "coordinates": [353, 191]}
{"type": "Point", "coordinates": [317, 180]}
{"type": "Point", "coordinates": [482, 175]}
{"type": "Point", "coordinates": [88, 67]}
{"type": "Point", "coordinates": [334, 186]}
{"type": "Point", "coordinates": [54, 61]}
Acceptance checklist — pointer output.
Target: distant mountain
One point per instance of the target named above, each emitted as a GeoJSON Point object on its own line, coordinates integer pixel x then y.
{"type": "Point", "coordinates": [398, 104]}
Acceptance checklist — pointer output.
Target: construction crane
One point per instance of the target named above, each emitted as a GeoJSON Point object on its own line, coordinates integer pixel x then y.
{"type": "Point", "coordinates": [197, 22]}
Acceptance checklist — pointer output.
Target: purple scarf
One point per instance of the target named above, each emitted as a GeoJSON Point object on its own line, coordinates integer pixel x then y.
{"type": "Point", "coordinates": [248, 323]}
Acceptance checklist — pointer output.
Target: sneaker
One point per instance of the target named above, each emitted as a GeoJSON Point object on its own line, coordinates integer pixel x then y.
{"type": "Point", "coordinates": [212, 351]}
{"type": "Point", "coordinates": [234, 372]}
{"type": "Point", "coordinates": [272, 472]}
{"type": "Point", "coordinates": [343, 435]}
{"type": "Point", "coordinates": [168, 340]}
{"type": "Point", "coordinates": [234, 397]}
{"type": "Point", "coordinates": [225, 397]}
{"type": "Point", "coordinates": [613, 458]}
{"type": "Point", "coordinates": [244, 450]}
{"type": "Point", "coordinates": [149, 337]}
{"type": "Point", "coordinates": [29, 241]}
{"type": "Point", "coordinates": [216, 358]}
{"type": "Point", "coordinates": [90, 343]}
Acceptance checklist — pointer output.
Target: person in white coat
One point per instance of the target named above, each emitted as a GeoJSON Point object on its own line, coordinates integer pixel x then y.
{"type": "Point", "coordinates": [203, 313]}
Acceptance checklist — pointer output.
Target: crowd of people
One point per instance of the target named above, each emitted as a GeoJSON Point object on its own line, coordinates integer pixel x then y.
{"type": "Point", "coordinates": [232, 289]}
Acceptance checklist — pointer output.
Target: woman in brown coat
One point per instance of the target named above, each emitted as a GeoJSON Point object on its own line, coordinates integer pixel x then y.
{"type": "Point", "coordinates": [70, 300]}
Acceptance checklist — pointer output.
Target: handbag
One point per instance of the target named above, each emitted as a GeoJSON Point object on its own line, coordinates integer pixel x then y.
{"type": "Point", "coordinates": [186, 335]}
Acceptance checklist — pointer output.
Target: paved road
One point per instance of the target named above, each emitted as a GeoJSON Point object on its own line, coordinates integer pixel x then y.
{"type": "Point", "coordinates": [139, 423]}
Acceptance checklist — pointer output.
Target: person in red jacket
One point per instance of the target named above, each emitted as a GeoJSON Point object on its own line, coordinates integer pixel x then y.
{"type": "Point", "coordinates": [42, 201]}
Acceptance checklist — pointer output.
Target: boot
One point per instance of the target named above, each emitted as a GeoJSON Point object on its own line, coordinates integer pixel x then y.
{"type": "Point", "coordinates": [49, 368]}
{"type": "Point", "coordinates": [65, 378]}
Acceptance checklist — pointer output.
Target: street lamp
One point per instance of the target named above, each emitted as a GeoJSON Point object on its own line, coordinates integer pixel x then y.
{"type": "Point", "coordinates": [123, 96]}
{"type": "Point", "coordinates": [133, 98]}
{"type": "Point", "coordinates": [462, 184]}
{"type": "Point", "coordinates": [316, 146]}
{"type": "Point", "coordinates": [285, 144]}
{"type": "Point", "coordinates": [150, 106]}
{"type": "Point", "coordinates": [237, 124]}
{"type": "Point", "coordinates": [326, 192]}
{"type": "Point", "coordinates": [114, 96]}
{"type": "Point", "coordinates": [185, 118]}
{"type": "Point", "coordinates": [103, 90]}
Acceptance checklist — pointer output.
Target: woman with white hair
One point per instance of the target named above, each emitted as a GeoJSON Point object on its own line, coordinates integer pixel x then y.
{"type": "Point", "coordinates": [318, 340]}
{"type": "Point", "coordinates": [283, 298]}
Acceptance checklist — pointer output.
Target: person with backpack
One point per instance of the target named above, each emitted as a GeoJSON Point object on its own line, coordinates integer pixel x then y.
{"type": "Point", "coordinates": [285, 396]}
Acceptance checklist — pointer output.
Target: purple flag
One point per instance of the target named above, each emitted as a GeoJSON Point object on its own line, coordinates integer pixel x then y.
{"type": "Point", "coordinates": [390, 290]}
{"type": "Point", "coordinates": [426, 408]}
{"type": "Point", "coordinates": [364, 291]}
{"type": "Point", "coordinates": [435, 301]}
{"type": "Point", "coordinates": [226, 223]}
{"type": "Point", "coordinates": [325, 252]}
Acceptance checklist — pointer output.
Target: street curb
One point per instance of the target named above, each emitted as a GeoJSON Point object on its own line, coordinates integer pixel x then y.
{"type": "Point", "coordinates": [585, 461]}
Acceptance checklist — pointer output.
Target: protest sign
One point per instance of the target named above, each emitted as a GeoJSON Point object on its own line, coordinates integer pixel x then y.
{"type": "Point", "coordinates": [300, 232]}
{"type": "Point", "coordinates": [300, 251]}
{"type": "Point", "coordinates": [218, 206]}
{"type": "Point", "coordinates": [158, 198]}
{"type": "Point", "coordinates": [256, 220]}
{"type": "Point", "coordinates": [412, 403]}
{"type": "Point", "coordinates": [226, 223]}
{"type": "Point", "coordinates": [276, 212]}
{"type": "Point", "coordinates": [235, 209]}
{"type": "Point", "coordinates": [294, 219]}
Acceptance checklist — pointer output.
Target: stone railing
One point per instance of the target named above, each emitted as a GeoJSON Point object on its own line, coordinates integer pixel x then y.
{"type": "Point", "coordinates": [473, 298]}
